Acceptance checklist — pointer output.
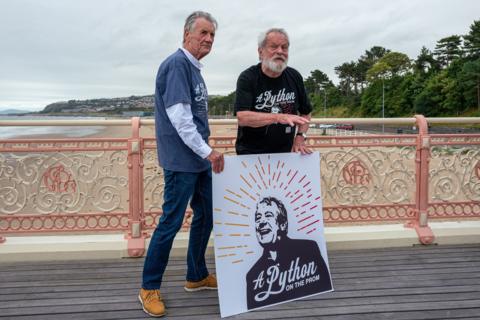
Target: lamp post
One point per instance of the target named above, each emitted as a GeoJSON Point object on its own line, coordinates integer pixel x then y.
{"type": "Point", "coordinates": [325, 102]}
{"type": "Point", "coordinates": [478, 94]}
{"type": "Point", "coordinates": [383, 106]}
{"type": "Point", "coordinates": [323, 86]}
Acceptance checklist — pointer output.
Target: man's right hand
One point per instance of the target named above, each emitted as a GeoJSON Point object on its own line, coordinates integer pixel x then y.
{"type": "Point", "coordinates": [291, 119]}
{"type": "Point", "coordinates": [216, 159]}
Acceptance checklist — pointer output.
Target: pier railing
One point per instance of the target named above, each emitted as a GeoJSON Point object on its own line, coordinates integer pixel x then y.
{"type": "Point", "coordinates": [114, 184]}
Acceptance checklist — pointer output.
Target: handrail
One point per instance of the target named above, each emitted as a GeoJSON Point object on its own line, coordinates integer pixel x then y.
{"type": "Point", "coordinates": [128, 122]}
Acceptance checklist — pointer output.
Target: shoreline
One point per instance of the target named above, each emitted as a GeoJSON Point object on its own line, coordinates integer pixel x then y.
{"type": "Point", "coordinates": [102, 132]}
{"type": "Point", "coordinates": [117, 132]}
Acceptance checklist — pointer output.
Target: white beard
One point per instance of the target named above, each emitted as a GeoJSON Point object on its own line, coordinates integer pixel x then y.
{"type": "Point", "coordinates": [273, 66]}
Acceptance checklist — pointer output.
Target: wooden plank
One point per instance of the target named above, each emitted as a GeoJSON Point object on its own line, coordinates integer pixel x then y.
{"type": "Point", "coordinates": [167, 286]}
{"type": "Point", "coordinates": [334, 256]}
{"type": "Point", "coordinates": [440, 282]}
{"type": "Point", "coordinates": [180, 276]}
{"type": "Point", "coordinates": [472, 260]}
{"type": "Point", "coordinates": [132, 292]}
{"type": "Point", "coordinates": [199, 300]}
{"type": "Point", "coordinates": [337, 268]}
{"type": "Point", "coordinates": [134, 272]}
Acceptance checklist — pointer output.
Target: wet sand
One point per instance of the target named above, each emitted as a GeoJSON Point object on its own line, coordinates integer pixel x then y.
{"type": "Point", "coordinates": [147, 131]}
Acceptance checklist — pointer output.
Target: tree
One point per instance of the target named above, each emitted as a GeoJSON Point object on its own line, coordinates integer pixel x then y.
{"type": "Point", "coordinates": [470, 81]}
{"type": "Point", "coordinates": [221, 105]}
{"type": "Point", "coordinates": [371, 103]}
{"type": "Point", "coordinates": [387, 72]}
{"type": "Point", "coordinates": [322, 91]}
{"type": "Point", "coordinates": [425, 62]}
{"type": "Point", "coordinates": [366, 61]}
{"type": "Point", "coordinates": [472, 41]}
{"type": "Point", "coordinates": [390, 65]}
{"type": "Point", "coordinates": [448, 49]}
{"type": "Point", "coordinates": [316, 80]}
{"type": "Point", "coordinates": [346, 73]}
{"type": "Point", "coordinates": [374, 54]}
{"type": "Point", "coordinates": [441, 96]}
{"type": "Point", "coordinates": [428, 101]}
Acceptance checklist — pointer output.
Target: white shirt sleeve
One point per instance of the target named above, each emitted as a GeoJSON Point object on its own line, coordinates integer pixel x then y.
{"type": "Point", "coordinates": [181, 117]}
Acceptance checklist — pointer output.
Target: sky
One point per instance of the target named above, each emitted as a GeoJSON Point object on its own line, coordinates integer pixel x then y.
{"type": "Point", "coordinates": [58, 50]}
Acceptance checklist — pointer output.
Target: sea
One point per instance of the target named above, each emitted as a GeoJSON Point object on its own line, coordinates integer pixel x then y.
{"type": "Point", "coordinates": [7, 132]}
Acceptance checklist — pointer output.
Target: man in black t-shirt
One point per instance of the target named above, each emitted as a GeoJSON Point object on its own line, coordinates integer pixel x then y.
{"type": "Point", "coordinates": [271, 104]}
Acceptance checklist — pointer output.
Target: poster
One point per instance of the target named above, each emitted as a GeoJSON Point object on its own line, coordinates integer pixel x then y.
{"type": "Point", "coordinates": [268, 229]}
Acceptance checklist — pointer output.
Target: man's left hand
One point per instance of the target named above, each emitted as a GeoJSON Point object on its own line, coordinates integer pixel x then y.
{"type": "Point", "coordinates": [299, 146]}
{"type": "Point", "coordinates": [217, 161]}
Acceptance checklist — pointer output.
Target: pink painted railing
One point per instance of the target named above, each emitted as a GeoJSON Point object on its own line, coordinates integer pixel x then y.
{"type": "Point", "coordinates": [92, 185]}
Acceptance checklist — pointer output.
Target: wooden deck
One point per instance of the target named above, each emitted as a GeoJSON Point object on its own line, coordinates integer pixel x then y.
{"type": "Point", "coordinates": [435, 282]}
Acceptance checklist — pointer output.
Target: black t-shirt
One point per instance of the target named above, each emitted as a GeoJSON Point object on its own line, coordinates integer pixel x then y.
{"type": "Point", "coordinates": [299, 264]}
{"type": "Point", "coordinates": [258, 92]}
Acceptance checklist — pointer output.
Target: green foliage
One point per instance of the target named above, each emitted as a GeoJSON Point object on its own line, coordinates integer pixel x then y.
{"type": "Point", "coordinates": [470, 82]}
{"type": "Point", "coordinates": [366, 61]}
{"type": "Point", "coordinates": [472, 41]}
{"type": "Point", "coordinates": [445, 82]}
{"type": "Point", "coordinates": [221, 105]}
{"type": "Point", "coordinates": [371, 104]}
{"type": "Point", "coordinates": [389, 66]}
{"type": "Point", "coordinates": [317, 81]}
{"type": "Point", "coordinates": [425, 64]}
{"type": "Point", "coordinates": [348, 80]}
{"type": "Point", "coordinates": [440, 96]}
{"type": "Point", "coordinates": [448, 49]}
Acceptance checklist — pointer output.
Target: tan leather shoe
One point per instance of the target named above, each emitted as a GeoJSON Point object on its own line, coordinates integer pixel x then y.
{"type": "Point", "coordinates": [209, 283]}
{"type": "Point", "coordinates": [152, 303]}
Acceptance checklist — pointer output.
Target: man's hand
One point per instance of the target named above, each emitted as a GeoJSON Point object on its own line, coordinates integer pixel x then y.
{"type": "Point", "coordinates": [216, 159]}
{"type": "Point", "coordinates": [299, 145]}
{"type": "Point", "coordinates": [256, 119]}
{"type": "Point", "coordinates": [291, 119]}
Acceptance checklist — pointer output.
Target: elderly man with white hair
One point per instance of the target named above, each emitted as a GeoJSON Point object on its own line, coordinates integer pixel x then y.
{"type": "Point", "coordinates": [272, 107]}
{"type": "Point", "coordinates": [181, 126]}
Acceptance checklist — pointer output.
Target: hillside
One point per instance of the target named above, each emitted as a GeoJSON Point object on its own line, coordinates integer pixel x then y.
{"type": "Point", "coordinates": [103, 105]}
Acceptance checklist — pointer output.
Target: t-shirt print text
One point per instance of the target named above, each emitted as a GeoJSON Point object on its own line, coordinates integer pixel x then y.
{"type": "Point", "coordinates": [273, 102]}
{"type": "Point", "coordinates": [201, 94]}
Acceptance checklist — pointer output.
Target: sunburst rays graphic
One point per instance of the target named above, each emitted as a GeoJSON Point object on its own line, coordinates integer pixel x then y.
{"type": "Point", "coordinates": [258, 176]}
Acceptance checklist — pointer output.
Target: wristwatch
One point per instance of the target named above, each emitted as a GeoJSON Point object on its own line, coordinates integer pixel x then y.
{"type": "Point", "coordinates": [303, 134]}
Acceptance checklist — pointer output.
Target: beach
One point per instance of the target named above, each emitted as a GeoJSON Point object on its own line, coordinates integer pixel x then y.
{"type": "Point", "coordinates": [118, 131]}
{"type": "Point", "coordinates": [63, 132]}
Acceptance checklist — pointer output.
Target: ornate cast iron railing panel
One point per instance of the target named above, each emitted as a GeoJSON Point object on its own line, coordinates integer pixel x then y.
{"type": "Point", "coordinates": [58, 185]}
{"type": "Point", "coordinates": [454, 176]}
{"type": "Point", "coordinates": [367, 178]}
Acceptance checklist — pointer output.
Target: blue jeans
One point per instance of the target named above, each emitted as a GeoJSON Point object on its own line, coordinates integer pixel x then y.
{"type": "Point", "coordinates": [180, 187]}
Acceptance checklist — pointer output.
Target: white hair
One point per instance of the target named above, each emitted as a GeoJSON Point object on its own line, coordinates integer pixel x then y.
{"type": "Point", "coordinates": [190, 21]}
{"type": "Point", "coordinates": [262, 38]}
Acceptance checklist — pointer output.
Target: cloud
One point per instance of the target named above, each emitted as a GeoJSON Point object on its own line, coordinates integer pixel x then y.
{"type": "Point", "coordinates": [60, 50]}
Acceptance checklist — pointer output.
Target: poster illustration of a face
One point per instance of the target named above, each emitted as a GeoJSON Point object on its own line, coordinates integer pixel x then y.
{"type": "Point", "coordinates": [268, 228]}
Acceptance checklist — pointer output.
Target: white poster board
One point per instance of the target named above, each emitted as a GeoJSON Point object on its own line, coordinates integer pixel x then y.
{"type": "Point", "coordinates": [268, 228]}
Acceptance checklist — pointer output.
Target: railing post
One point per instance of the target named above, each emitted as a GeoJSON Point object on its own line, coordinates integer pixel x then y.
{"type": "Point", "coordinates": [422, 160]}
{"type": "Point", "coordinates": [136, 236]}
